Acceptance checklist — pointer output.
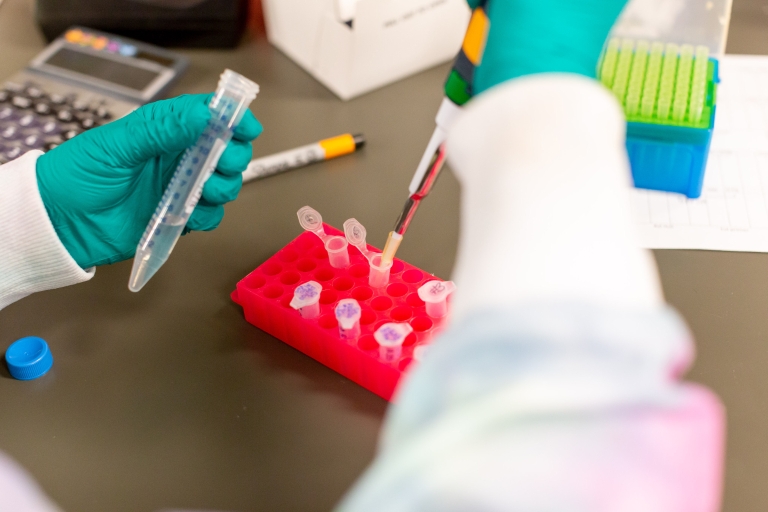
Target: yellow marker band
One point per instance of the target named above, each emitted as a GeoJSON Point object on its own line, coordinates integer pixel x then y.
{"type": "Point", "coordinates": [474, 40]}
{"type": "Point", "coordinates": [337, 146]}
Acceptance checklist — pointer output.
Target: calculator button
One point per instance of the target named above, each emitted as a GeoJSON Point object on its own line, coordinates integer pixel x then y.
{"type": "Point", "coordinates": [10, 132]}
{"type": "Point", "coordinates": [6, 113]}
{"type": "Point", "coordinates": [80, 105]}
{"type": "Point", "coordinates": [34, 93]}
{"type": "Point", "coordinates": [50, 128]}
{"type": "Point", "coordinates": [52, 142]}
{"type": "Point", "coordinates": [13, 153]}
{"type": "Point", "coordinates": [87, 123]}
{"type": "Point", "coordinates": [103, 113]}
{"type": "Point", "coordinates": [57, 99]}
{"type": "Point", "coordinates": [21, 102]}
{"type": "Point", "coordinates": [13, 87]}
{"type": "Point", "coordinates": [33, 141]}
{"type": "Point", "coordinates": [70, 134]}
{"type": "Point", "coordinates": [4, 96]}
{"type": "Point", "coordinates": [65, 115]}
{"type": "Point", "coordinates": [28, 120]}
{"type": "Point", "coordinates": [42, 108]}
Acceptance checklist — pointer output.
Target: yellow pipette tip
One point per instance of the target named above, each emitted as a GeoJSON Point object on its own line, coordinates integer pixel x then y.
{"type": "Point", "coordinates": [390, 248]}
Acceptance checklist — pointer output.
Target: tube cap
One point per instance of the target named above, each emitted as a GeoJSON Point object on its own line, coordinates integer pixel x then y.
{"type": "Point", "coordinates": [28, 358]}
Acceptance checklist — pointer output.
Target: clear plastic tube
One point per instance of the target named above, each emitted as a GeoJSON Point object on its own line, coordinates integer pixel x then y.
{"type": "Point", "coordinates": [390, 338]}
{"type": "Point", "coordinates": [348, 314]}
{"type": "Point", "coordinates": [231, 100]}
{"type": "Point", "coordinates": [338, 256]}
{"type": "Point", "coordinates": [336, 246]}
{"type": "Point", "coordinates": [435, 296]}
{"type": "Point", "coordinates": [378, 277]}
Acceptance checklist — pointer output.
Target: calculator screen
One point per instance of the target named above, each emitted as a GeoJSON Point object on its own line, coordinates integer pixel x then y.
{"type": "Point", "coordinates": [110, 70]}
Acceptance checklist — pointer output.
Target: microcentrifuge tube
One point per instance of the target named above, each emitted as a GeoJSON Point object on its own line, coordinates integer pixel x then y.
{"type": "Point", "coordinates": [348, 314]}
{"type": "Point", "coordinates": [435, 295]}
{"type": "Point", "coordinates": [338, 256]}
{"type": "Point", "coordinates": [306, 298]}
{"type": "Point", "coordinates": [378, 276]}
{"type": "Point", "coordinates": [336, 246]}
{"type": "Point", "coordinates": [390, 337]}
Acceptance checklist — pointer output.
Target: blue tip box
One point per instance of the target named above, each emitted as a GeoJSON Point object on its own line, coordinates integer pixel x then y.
{"type": "Point", "coordinates": [672, 158]}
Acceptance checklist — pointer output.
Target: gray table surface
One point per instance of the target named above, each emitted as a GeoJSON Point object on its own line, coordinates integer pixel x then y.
{"type": "Point", "coordinates": [169, 398]}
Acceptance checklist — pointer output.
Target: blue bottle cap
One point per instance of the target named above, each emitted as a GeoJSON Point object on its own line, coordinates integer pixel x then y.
{"type": "Point", "coordinates": [28, 358]}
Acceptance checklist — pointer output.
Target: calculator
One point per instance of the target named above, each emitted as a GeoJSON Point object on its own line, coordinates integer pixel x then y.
{"type": "Point", "coordinates": [82, 80]}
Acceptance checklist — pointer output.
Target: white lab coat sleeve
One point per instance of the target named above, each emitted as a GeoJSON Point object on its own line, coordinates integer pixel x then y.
{"type": "Point", "coordinates": [557, 385]}
{"type": "Point", "coordinates": [32, 258]}
{"type": "Point", "coordinates": [19, 492]}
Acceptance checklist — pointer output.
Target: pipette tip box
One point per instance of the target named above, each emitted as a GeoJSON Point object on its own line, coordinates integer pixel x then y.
{"type": "Point", "coordinates": [668, 93]}
{"type": "Point", "coordinates": [265, 295]}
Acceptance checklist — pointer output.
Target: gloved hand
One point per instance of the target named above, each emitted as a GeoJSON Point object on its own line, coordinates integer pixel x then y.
{"type": "Point", "coordinates": [542, 36]}
{"type": "Point", "coordinates": [101, 188]}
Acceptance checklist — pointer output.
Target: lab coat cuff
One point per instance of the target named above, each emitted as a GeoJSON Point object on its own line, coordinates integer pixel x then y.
{"type": "Point", "coordinates": [32, 258]}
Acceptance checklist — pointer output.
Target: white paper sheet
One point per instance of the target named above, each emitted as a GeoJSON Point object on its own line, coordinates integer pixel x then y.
{"type": "Point", "coordinates": [732, 212]}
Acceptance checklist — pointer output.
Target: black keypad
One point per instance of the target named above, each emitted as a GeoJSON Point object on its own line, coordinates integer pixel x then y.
{"type": "Point", "coordinates": [33, 118]}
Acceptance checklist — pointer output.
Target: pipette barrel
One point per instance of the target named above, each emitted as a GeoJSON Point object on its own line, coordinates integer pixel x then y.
{"type": "Point", "coordinates": [338, 256]}
{"type": "Point", "coordinates": [378, 276]}
{"type": "Point", "coordinates": [228, 105]}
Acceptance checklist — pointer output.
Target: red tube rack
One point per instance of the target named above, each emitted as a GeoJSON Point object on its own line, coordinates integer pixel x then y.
{"type": "Point", "coordinates": [265, 294]}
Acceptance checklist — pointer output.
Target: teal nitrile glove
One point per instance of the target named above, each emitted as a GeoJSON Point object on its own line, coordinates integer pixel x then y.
{"type": "Point", "coordinates": [544, 36]}
{"type": "Point", "coordinates": [101, 187]}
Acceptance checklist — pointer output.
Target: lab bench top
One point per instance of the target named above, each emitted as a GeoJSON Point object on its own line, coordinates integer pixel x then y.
{"type": "Point", "coordinates": [169, 399]}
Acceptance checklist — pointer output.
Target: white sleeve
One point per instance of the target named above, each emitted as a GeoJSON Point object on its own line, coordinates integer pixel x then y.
{"type": "Point", "coordinates": [545, 198]}
{"type": "Point", "coordinates": [557, 385]}
{"type": "Point", "coordinates": [32, 258]}
{"type": "Point", "coordinates": [19, 492]}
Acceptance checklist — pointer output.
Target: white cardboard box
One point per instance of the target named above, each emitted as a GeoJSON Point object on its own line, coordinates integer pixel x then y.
{"type": "Point", "coordinates": [389, 40]}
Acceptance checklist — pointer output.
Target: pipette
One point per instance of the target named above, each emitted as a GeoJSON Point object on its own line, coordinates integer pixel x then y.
{"type": "Point", "coordinates": [458, 90]}
{"type": "Point", "coordinates": [336, 246]}
{"type": "Point", "coordinates": [230, 101]}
